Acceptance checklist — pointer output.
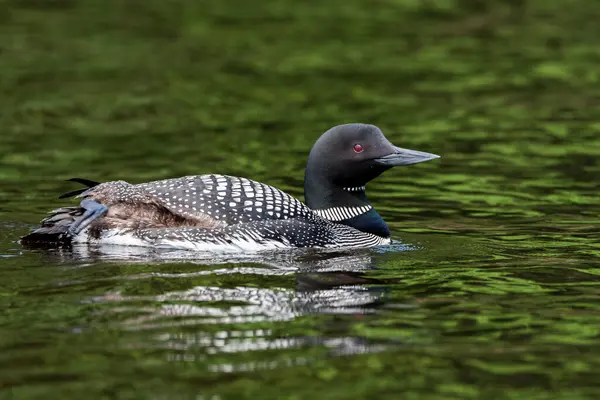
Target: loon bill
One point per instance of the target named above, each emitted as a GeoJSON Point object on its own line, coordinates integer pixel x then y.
{"type": "Point", "coordinates": [227, 213]}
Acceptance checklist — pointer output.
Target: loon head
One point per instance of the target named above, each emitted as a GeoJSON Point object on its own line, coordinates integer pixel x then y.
{"type": "Point", "coordinates": [342, 161]}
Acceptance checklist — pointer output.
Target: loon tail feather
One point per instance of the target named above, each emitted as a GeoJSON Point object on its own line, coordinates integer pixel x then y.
{"type": "Point", "coordinates": [83, 181]}
{"type": "Point", "coordinates": [87, 182]}
{"type": "Point", "coordinates": [54, 229]}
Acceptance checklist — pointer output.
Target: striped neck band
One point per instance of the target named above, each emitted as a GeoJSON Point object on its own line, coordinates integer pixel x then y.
{"type": "Point", "coordinates": [342, 213]}
{"type": "Point", "coordinates": [355, 189]}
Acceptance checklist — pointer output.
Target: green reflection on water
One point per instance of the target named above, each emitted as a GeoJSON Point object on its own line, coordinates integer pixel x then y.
{"type": "Point", "coordinates": [496, 295]}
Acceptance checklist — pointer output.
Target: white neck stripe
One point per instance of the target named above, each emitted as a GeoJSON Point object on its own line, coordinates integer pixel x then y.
{"type": "Point", "coordinates": [355, 189]}
{"type": "Point", "coordinates": [342, 213]}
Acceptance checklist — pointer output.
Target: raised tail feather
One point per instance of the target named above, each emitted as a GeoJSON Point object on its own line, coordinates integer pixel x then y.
{"type": "Point", "coordinates": [54, 229]}
{"type": "Point", "coordinates": [83, 181]}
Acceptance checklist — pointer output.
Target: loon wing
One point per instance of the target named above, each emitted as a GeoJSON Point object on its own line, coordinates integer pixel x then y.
{"type": "Point", "coordinates": [203, 201]}
{"type": "Point", "coordinates": [262, 235]}
{"type": "Point", "coordinates": [228, 199]}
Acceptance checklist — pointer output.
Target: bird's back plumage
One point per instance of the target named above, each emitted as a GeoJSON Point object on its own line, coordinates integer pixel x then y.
{"type": "Point", "coordinates": [200, 212]}
{"type": "Point", "coordinates": [210, 212]}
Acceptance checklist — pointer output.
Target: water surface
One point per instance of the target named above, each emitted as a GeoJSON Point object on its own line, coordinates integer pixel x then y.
{"type": "Point", "coordinates": [491, 289]}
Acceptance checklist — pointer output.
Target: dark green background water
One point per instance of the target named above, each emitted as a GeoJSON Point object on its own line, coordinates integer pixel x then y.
{"type": "Point", "coordinates": [495, 293]}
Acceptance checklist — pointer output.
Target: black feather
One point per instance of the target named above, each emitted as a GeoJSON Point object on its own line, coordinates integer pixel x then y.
{"type": "Point", "coordinates": [72, 193]}
{"type": "Point", "coordinates": [83, 181]}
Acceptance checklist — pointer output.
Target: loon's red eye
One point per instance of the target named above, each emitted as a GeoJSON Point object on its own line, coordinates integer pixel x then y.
{"type": "Point", "coordinates": [358, 148]}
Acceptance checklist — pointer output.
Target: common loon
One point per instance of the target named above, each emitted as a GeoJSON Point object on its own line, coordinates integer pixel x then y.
{"type": "Point", "coordinates": [227, 213]}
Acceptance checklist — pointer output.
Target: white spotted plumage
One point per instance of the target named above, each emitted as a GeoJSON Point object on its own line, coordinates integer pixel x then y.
{"type": "Point", "coordinates": [219, 211]}
{"type": "Point", "coordinates": [227, 198]}
{"type": "Point", "coordinates": [254, 216]}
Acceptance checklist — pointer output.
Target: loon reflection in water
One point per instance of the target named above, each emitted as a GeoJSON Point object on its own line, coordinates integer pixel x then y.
{"type": "Point", "coordinates": [184, 319]}
{"type": "Point", "coordinates": [231, 214]}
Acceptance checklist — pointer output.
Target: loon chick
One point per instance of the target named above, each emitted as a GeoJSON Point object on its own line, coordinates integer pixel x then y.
{"type": "Point", "coordinates": [219, 212]}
